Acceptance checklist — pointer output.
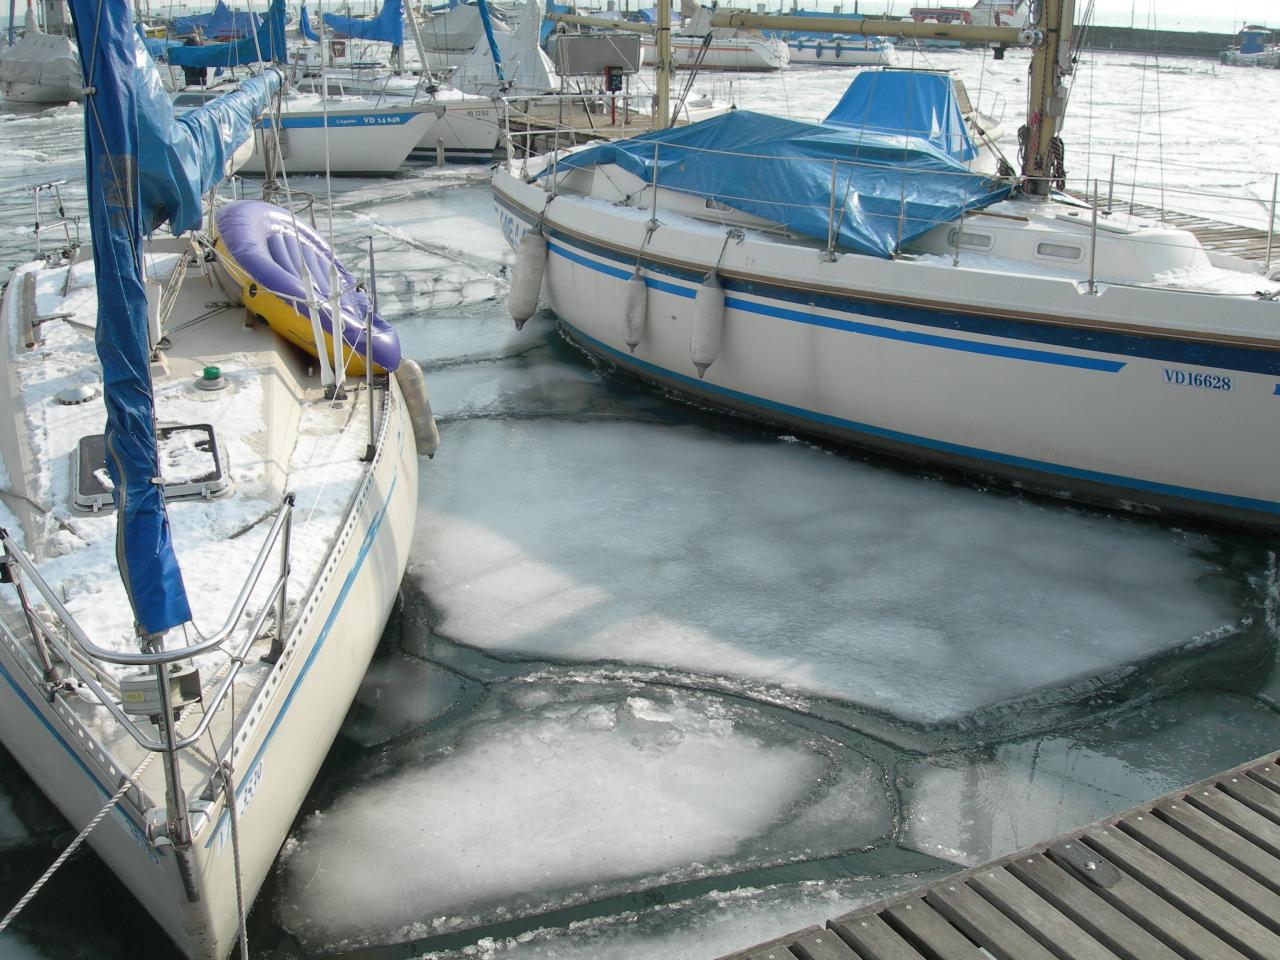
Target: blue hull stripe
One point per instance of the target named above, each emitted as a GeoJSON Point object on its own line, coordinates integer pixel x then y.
{"type": "Point", "coordinates": [315, 650]}
{"type": "Point", "coordinates": [866, 329]}
{"type": "Point", "coordinates": [338, 121]}
{"type": "Point", "coordinates": [975, 453]}
{"type": "Point", "coordinates": [1166, 348]}
{"type": "Point", "coordinates": [53, 732]}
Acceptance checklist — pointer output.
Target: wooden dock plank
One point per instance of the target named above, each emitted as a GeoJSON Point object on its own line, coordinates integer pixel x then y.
{"type": "Point", "coordinates": [1155, 914]}
{"type": "Point", "coordinates": [1268, 774]}
{"type": "Point", "coordinates": [821, 944]}
{"type": "Point", "coordinates": [1210, 870]}
{"type": "Point", "coordinates": [1203, 905]}
{"type": "Point", "coordinates": [931, 933]}
{"type": "Point", "coordinates": [1254, 795]}
{"type": "Point", "coordinates": [775, 949]}
{"type": "Point", "coordinates": [984, 924]}
{"type": "Point", "coordinates": [1036, 916]}
{"type": "Point", "coordinates": [873, 939]}
{"type": "Point", "coordinates": [1238, 817]}
{"type": "Point", "coordinates": [1239, 851]}
{"type": "Point", "coordinates": [1076, 899]}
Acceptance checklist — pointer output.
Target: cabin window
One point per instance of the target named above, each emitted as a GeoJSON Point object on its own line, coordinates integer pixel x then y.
{"type": "Point", "coordinates": [716, 205]}
{"type": "Point", "coordinates": [1059, 251]}
{"type": "Point", "coordinates": [969, 240]}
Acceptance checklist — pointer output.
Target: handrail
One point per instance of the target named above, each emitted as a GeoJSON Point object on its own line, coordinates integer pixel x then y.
{"type": "Point", "coordinates": [13, 551]}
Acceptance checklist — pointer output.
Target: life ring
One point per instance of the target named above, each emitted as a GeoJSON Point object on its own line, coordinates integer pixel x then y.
{"type": "Point", "coordinates": [262, 247]}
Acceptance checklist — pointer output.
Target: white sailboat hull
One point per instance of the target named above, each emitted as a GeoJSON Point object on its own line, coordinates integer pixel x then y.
{"type": "Point", "coordinates": [18, 92]}
{"type": "Point", "coordinates": [835, 51]}
{"type": "Point", "coordinates": [371, 141]}
{"type": "Point", "coordinates": [745, 54]}
{"type": "Point", "coordinates": [338, 627]}
{"type": "Point", "coordinates": [467, 131]}
{"type": "Point", "coordinates": [938, 365]}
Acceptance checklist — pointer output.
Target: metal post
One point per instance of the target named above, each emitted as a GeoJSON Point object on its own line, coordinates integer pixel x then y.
{"type": "Point", "coordinates": [1111, 187]}
{"type": "Point", "coordinates": [9, 574]}
{"type": "Point", "coordinates": [277, 643]}
{"type": "Point", "coordinates": [831, 216]}
{"type": "Point", "coordinates": [1271, 227]}
{"type": "Point", "coordinates": [653, 218]}
{"type": "Point", "coordinates": [177, 799]}
{"type": "Point", "coordinates": [1093, 244]}
{"type": "Point", "coordinates": [371, 449]}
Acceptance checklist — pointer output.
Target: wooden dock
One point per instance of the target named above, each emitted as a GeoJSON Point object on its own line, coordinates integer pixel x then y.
{"type": "Point", "coordinates": [1195, 874]}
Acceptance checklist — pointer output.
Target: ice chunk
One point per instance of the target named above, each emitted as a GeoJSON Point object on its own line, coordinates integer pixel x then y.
{"type": "Point", "coordinates": [971, 808]}
{"type": "Point", "coordinates": [543, 800]}
{"type": "Point", "coordinates": [782, 563]}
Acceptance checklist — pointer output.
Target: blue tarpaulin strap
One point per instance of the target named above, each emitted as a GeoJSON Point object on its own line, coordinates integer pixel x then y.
{"type": "Point", "coordinates": [387, 26]}
{"type": "Point", "coordinates": [267, 45]}
{"type": "Point", "coordinates": [304, 26]}
{"type": "Point", "coordinates": [488, 32]}
{"type": "Point", "coordinates": [887, 188]}
{"type": "Point", "coordinates": [144, 549]}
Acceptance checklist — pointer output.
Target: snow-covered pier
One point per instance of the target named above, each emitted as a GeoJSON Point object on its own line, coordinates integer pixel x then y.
{"type": "Point", "coordinates": [1192, 874]}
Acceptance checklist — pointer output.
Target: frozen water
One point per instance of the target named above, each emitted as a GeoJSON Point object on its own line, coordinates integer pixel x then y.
{"type": "Point", "coordinates": [971, 808]}
{"type": "Point", "coordinates": [14, 947]}
{"type": "Point", "coordinates": [399, 694]}
{"type": "Point", "coordinates": [572, 788]}
{"type": "Point", "coordinates": [700, 929]}
{"type": "Point", "coordinates": [782, 563]}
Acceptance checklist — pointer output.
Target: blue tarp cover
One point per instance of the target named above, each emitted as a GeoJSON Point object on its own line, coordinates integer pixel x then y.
{"type": "Point", "coordinates": [182, 158]}
{"type": "Point", "coordinates": [110, 56]}
{"type": "Point", "coordinates": [222, 23]}
{"type": "Point", "coordinates": [782, 170]}
{"type": "Point", "coordinates": [159, 49]}
{"type": "Point", "coordinates": [387, 26]}
{"type": "Point", "coordinates": [799, 34]}
{"type": "Point", "coordinates": [304, 26]}
{"type": "Point", "coordinates": [267, 45]}
{"type": "Point", "coordinates": [906, 102]}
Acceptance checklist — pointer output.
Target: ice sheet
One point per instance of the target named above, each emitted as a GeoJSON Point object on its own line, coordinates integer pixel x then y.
{"type": "Point", "coordinates": [783, 563]}
{"type": "Point", "coordinates": [561, 792]}
{"type": "Point", "coordinates": [397, 695]}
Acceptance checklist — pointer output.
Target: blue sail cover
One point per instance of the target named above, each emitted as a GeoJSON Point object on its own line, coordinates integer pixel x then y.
{"type": "Point", "coordinates": [483, 7]}
{"type": "Point", "coordinates": [802, 34]}
{"type": "Point", "coordinates": [267, 45]}
{"type": "Point", "coordinates": [781, 170]}
{"type": "Point", "coordinates": [182, 158]}
{"type": "Point", "coordinates": [144, 550]}
{"type": "Point", "coordinates": [223, 23]}
{"type": "Point", "coordinates": [304, 26]}
{"type": "Point", "coordinates": [908, 103]}
{"type": "Point", "coordinates": [387, 26]}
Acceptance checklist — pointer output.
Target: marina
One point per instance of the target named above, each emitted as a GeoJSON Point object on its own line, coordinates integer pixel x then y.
{"type": "Point", "coordinates": [658, 680]}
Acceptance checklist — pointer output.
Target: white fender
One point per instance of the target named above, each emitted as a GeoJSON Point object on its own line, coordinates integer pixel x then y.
{"type": "Point", "coordinates": [708, 324]}
{"type": "Point", "coordinates": [526, 276]}
{"type": "Point", "coordinates": [637, 303]}
{"type": "Point", "coordinates": [413, 385]}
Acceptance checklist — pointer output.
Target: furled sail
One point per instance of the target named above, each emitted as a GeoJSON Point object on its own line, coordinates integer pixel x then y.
{"type": "Point", "coordinates": [141, 168]}
{"type": "Point", "coordinates": [387, 26]}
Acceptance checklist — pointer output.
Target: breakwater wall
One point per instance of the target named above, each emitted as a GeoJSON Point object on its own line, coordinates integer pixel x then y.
{"type": "Point", "coordinates": [1164, 42]}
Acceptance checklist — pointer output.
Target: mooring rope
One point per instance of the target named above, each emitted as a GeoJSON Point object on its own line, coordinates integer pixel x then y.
{"type": "Point", "coordinates": [74, 844]}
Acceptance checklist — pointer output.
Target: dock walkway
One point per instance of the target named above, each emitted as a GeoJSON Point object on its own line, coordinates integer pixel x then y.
{"type": "Point", "coordinates": [1194, 874]}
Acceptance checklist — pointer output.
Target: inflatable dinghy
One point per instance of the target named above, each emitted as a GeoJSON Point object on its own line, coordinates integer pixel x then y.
{"type": "Point", "coordinates": [263, 247]}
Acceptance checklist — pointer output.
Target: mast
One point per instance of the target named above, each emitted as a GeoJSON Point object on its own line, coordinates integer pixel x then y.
{"type": "Point", "coordinates": [662, 116]}
{"type": "Point", "coordinates": [1046, 97]}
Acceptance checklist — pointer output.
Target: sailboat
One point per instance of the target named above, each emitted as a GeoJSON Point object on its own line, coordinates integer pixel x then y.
{"type": "Point", "coordinates": [191, 596]}
{"type": "Point", "coordinates": [41, 67]}
{"type": "Point", "coordinates": [869, 287]}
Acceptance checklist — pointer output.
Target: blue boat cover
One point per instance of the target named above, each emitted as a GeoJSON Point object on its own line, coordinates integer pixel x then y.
{"type": "Point", "coordinates": [887, 188]}
{"type": "Point", "coordinates": [304, 26]}
{"type": "Point", "coordinates": [266, 45]}
{"type": "Point", "coordinates": [650, 15]}
{"type": "Point", "coordinates": [223, 23]}
{"type": "Point", "coordinates": [799, 34]}
{"type": "Point", "coordinates": [182, 158]}
{"type": "Point", "coordinates": [144, 548]}
{"type": "Point", "coordinates": [387, 26]}
{"type": "Point", "coordinates": [158, 48]}
{"type": "Point", "coordinates": [909, 103]}
{"type": "Point", "coordinates": [549, 26]}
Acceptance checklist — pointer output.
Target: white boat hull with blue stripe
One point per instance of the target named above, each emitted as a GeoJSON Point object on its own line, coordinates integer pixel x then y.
{"type": "Point", "coordinates": [1135, 395]}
